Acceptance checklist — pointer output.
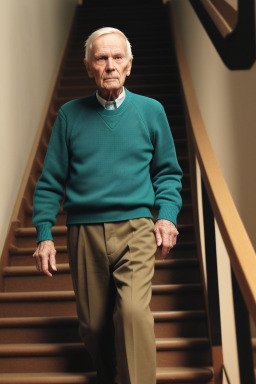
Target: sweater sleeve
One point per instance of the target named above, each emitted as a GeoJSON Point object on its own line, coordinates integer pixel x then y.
{"type": "Point", "coordinates": [166, 173]}
{"type": "Point", "coordinates": [50, 187]}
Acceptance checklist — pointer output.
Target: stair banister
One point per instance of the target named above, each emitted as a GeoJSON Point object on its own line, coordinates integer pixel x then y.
{"type": "Point", "coordinates": [232, 32]}
{"type": "Point", "coordinates": [238, 245]}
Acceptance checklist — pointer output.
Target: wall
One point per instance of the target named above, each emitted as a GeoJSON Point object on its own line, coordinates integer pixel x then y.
{"type": "Point", "coordinates": [227, 103]}
{"type": "Point", "coordinates": [32, 37]}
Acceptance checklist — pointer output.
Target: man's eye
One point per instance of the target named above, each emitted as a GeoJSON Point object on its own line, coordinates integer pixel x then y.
{"type": "Point", "coordinates": [118, 57]}
{"type": "Point", "coordinates": [100, 58]}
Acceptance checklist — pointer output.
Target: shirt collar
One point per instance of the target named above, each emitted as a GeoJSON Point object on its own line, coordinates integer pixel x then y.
{"type": "Point", "coordinates": [117, 101]}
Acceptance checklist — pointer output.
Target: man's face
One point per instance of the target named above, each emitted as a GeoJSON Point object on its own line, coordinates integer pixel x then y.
{"type": "Point", "coordinates": [109, 64]}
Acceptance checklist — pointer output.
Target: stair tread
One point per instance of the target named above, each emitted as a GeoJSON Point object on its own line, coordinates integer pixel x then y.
{"type": "Point", "coordinates": [64, 267]}
{"type": "Point", "coordinates": [73, 347]}
{"type": "Point", "coordinates": [60, 320]}
{"type": "Point", "coordinates": [168, 374]}
{"type": "Point", "coordinates": [69, 295]}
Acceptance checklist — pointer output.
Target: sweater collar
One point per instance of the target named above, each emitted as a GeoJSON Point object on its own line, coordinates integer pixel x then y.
{"type": "Point", "coordinates": [117, 101]}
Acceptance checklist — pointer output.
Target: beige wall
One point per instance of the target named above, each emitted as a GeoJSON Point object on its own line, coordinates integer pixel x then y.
{"type": "Point", "coordinates": [32, 37]}
{"type": "Point", "coordinates": [227, 103]}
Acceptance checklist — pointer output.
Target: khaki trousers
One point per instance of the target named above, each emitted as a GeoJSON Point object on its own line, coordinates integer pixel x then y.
{"type": "Point", "coordinates": [112, 265]}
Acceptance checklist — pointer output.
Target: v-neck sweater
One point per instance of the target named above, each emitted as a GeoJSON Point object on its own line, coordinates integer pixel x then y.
{"type": "Point", "coordinates": [112, 165]}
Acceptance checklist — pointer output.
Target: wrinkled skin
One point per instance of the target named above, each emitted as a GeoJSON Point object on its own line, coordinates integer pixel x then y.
{"type": "Point", "coordinates": [109, 65]}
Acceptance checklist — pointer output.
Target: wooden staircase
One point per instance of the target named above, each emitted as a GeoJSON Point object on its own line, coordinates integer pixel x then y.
{"type": "Point", "coordinates": [39, 341]}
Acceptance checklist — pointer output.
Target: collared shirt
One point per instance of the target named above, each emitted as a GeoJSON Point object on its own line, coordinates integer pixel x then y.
{"type": "Point", "coordinates": [113, 104]}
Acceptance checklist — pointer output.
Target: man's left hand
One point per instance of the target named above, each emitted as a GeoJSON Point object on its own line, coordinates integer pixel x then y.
{"type": "Point", "coordinates": [166, 236]}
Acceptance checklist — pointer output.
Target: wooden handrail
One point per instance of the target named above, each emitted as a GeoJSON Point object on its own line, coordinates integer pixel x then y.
{"type": "Point", "coordinates": [232, 32]}
{"type": "Point", "coordinates": [220, 22]}
{"type": "Point", "coordinates": [240, 250]}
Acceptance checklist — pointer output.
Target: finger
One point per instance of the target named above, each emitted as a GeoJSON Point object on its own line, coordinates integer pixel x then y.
{"type": "Point", "coordinates": [45, 266]}
{"type": "Point", "coordinates": [52, 261]}
{"type": "Point", "coordinates": [173, 240]}
{"type": "Point", "coordinates": [38, 263]}
{"type": "Point", "coordinates": [35, 257]}
{"type": "Point", "coordinates": [158, 238]}
{"type": "Point", "coordinates": [165, 252]}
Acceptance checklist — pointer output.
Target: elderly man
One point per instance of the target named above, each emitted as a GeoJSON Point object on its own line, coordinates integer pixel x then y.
{"type": "Point", "coordinates": [114, 155]}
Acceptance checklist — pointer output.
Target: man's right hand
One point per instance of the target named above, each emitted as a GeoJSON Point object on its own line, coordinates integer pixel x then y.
{"type": "Point", "coordinates": [45, 257]}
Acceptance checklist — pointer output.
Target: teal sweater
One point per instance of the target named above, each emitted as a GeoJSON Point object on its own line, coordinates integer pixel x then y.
{"type": "Point", "coordinates": [114, 165]}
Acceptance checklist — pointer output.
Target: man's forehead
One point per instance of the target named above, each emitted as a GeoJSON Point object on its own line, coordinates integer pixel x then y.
{"type": "Point", "coordinates": [110, 40]}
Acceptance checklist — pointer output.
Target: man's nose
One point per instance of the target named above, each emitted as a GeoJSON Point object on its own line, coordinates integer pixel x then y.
{"type": "Point", "coordinates": [110, 64]}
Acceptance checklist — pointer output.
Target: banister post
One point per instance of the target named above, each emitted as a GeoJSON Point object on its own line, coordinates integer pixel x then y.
{"type": "Point", "coordinates": [212, 286]}
{"type": "Point", "coordinates": [243, 336]}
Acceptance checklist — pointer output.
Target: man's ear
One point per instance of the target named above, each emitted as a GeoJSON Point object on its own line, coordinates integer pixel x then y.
{"type": "Point", "coordinates": [88, 68]}
{"type": "Point", "coordinates": [129, 67]}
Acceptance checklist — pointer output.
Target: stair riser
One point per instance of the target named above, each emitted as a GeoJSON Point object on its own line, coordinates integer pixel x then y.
{"type": "Point", "coordinates": [80, 362]}
{"type": "Point", "coordinates": [39, 282]}
{"type": "Point", "coordinates": [159, 302]}
{"type": "Point", "coordinates": [189, 328]}
{"type": "Point", "coordinates": [180, 275]}
{"type": "Point", "coordinates": [60, 334]}
{"type": "Point", "coordinates": [193, 358]}
{"type": "Point", "coordinates": [177, 302]}
{"type": "Point", "coordinates": [30, 309]}
{"type": "Point", "coordinates": [76, 363]}
{"type": "Point", "coordinates": [30, 241]}
{"type": "Point", "coordinates": [21, 260]}
{"type": "Point", "coordinates": [69, 333]}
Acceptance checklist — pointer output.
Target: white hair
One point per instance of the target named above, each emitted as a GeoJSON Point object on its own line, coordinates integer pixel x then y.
{"type": "Point", "coordinates": [103, 31]}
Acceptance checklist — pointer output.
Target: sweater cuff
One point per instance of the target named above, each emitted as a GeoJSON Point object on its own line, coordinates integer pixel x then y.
{"type": "Point", "coordinates": [168, 212]}
{"type": "Point", "coordinates": [44, 232]}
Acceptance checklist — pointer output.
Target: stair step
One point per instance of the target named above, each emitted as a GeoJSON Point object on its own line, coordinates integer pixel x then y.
{"type": "Point", "coordinates": [20, 256]}
{"type": "Point", "coordinates": [27, 278]}
{"type": "Point", "coordinates": [65, 328]}
{"type": "Point", "coordinates": [29, 304]}
{"type": "Point", "coordinates": [73, 357]}
{"type": "Point", "coordinates": [62, 303]}
{"type": "Point", "coordinates": [166, 375]}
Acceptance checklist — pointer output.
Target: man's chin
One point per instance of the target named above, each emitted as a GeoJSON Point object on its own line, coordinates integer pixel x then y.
{"type": "Point", "coordinates": [111, 88]}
